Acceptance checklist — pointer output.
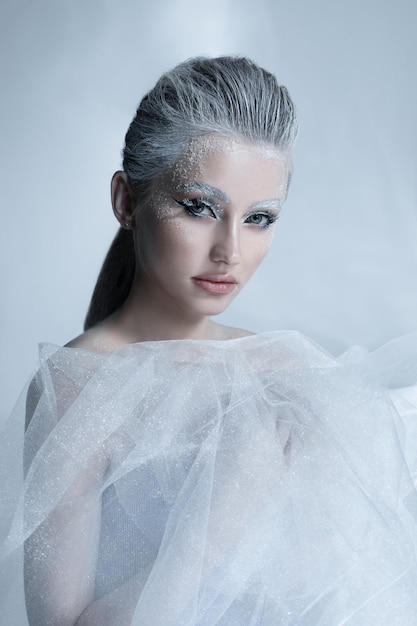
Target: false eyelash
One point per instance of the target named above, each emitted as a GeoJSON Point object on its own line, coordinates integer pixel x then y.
{"type": "Point", "coordinates": [271, 218]}
{"type": "Point", "coordinates": [190, 204]}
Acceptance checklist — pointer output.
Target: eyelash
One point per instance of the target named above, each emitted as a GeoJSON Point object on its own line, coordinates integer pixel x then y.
{"type": "Point", "coordinates": [270, 217]}
{"type": "Point", "coordinates": [192, 206]}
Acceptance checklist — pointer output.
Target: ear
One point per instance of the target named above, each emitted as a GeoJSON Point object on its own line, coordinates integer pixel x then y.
{"type": "Point", "coordinates": [121, 200]}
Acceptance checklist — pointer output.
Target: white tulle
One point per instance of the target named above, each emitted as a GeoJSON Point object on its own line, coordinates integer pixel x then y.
{"type": "Point", "coordinates": [257, 481]}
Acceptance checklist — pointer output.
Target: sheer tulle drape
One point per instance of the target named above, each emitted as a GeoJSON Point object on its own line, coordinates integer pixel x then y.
{"type": "Point", "coordinates": [254, 481]}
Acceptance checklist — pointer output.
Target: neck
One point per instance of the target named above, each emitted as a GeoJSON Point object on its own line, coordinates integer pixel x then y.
{"type": "Point", "coordinates": [144, 318]}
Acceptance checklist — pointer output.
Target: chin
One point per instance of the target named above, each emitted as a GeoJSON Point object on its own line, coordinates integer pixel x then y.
{"type": "Point", "coordinates": [217, 308]}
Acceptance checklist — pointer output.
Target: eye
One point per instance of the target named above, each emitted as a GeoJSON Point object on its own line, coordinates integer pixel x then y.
{"type": "Point", "coordinates": [263, 220]}
{"type": "Point", "coordinates": [197, 207]}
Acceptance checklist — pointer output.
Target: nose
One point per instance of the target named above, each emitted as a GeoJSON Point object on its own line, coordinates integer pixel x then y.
{"type": "Point", "coordinates": [226, 247]}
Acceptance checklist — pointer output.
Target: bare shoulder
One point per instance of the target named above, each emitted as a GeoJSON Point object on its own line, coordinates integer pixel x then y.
{"type": "Point", "coordinates": [97, 339]}
{"type": "Point", "coordinates": [219, 331]}
{"type": "Point", "coordinates": [86, 341]}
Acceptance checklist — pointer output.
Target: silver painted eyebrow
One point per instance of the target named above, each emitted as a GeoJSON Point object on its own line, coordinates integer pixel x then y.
{"type": "Point", "coordinates": [267, 204]}
{"type": "Point", "coordinates": [208, 190]}
{"type": "Point", "coordinates": [205, 189]}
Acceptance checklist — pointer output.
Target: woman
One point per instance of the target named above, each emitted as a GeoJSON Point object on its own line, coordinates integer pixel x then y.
{"type": "Point", "coordinates": [178, 471]}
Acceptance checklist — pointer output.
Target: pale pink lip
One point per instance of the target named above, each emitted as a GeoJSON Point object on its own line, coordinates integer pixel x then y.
{"type": "Point", "coordinates": [216, 283]}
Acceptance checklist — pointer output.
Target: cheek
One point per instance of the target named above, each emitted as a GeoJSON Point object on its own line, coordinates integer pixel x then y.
{"type": "Point", "coordinates": [257, 250]}
{"type": "Point", "coordinates": [174, 243]}
{"type": "Point", "coordinates": [180, 238]}
{"type": "Point", "coordinates": [258, 260]}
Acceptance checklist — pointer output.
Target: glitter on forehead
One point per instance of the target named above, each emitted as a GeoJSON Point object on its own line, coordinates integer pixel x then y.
{"type": "Point", "coordinates": [187, 174]}
{"type": "Point", "coordinates": [192, 161]}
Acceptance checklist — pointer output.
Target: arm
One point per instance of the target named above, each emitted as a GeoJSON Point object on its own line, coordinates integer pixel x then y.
{"type": "Point", "coordinates": [118, 606]}
{"type": "Point", "coordinates": [60, 556]}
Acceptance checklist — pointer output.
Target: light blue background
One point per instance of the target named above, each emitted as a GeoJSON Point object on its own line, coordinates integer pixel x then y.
{"type": "Point", "coordinates": [343, 268]}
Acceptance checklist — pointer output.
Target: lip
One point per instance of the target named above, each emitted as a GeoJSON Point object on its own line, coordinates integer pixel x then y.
{"type": "Point", "coordinates": [219, 284]}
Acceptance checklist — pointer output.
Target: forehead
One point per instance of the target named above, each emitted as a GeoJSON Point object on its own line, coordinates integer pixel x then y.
{"type": "Point", "coordinates": [205, 150]}
{"type": "Point", "coordinates": [228, 162]}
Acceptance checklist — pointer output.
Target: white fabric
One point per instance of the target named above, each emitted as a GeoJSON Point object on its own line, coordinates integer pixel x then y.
{"type": "Point", "coordinates": [257, 481]}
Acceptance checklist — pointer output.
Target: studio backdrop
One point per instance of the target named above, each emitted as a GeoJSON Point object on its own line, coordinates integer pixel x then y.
{"type": "Point", "coordinates": [343, 266]}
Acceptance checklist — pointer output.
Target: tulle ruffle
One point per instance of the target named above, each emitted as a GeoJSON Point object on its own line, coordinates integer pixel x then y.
{"type": "Point", "coordinates": [255, 481]}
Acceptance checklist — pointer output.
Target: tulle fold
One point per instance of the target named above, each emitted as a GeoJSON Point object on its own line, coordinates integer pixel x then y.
{"type": "Point", "coordinates": [257, 481]}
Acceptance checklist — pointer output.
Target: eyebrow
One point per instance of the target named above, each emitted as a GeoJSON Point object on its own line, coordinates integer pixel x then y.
{"type": "Point", "coordinates": [267, 204]}
{"type": "Point", "coordinates": [204, 188]}
{"type": "Point", "coordinates": [213, 192]}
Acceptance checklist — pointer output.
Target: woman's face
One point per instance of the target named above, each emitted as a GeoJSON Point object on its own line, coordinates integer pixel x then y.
{"type": "Point", "coordinates": [209, 225]}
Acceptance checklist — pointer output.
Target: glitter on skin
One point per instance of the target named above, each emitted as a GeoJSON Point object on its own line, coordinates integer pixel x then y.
{"type": "Point", "coordinates": [229, 177]}
{"type": "Point", "coordinates": [183, 235]}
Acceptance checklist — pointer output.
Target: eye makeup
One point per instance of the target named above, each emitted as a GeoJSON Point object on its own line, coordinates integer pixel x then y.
{"type": "Point", "coordinates": [203, 207]}
{"type": "Point", "coordinates": [199, 207]}
{"type": "Point", "coordinates": [204, 189]}
{"type": "Point", "coordinates": [262, 219]}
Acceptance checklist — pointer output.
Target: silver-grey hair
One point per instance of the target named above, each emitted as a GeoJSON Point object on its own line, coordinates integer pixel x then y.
{"type": "Point", "coordinates": [226, 95]}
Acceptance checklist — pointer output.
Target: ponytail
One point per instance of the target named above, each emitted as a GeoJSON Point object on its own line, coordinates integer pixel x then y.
{"type": "Point", "coordinates": [115, 279]}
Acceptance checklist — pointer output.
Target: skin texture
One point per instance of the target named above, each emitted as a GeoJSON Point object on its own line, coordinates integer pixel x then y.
{"type": "Point", "coordinates": [213, 214]}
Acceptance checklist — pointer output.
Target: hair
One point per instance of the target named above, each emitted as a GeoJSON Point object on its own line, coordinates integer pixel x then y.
{"type": "Point", "coordinates": [224, 95]}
